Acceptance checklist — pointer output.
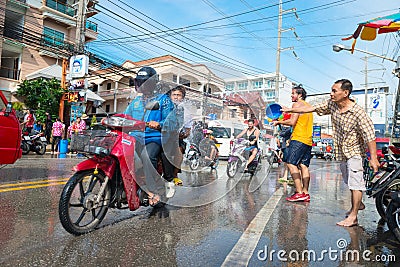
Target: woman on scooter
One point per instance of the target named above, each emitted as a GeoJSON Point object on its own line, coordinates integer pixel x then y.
{"type": "Point", "coordinates": [252, 134]}
{"type": "Point", "coordinates": [208, 146]}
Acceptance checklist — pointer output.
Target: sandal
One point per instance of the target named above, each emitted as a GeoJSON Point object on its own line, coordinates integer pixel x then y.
{"type": "Point", "coordinates": [155, 201]}
{"type": "Point", "coordinates": [143, 197]}
{"type": "Point", "coordinates": [146, 200]}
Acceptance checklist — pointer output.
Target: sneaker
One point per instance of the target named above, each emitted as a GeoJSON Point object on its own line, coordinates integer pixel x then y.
{"type": "Point", "coordinates": [307, 198]}
{"type": "Point", "coordinates": [169, 189]}
{"type": "Point", "coordinates": [297, 197]}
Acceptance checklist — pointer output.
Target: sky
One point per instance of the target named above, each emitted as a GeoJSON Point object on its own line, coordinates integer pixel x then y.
{"type": "Point", "coordinates": [242, 34]}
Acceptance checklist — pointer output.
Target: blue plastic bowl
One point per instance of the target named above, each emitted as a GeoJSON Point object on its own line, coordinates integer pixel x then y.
{"type": "Point", "coordinates": [273, 111]}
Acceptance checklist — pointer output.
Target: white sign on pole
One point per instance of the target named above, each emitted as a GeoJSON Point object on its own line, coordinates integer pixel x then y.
{"type": "Point", "coordinates": [78, 66]}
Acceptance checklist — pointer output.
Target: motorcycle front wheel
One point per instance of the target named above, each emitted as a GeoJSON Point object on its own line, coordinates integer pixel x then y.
{"type": "Point", "coordinates": [194, 162]}
{"type": "Point", "coordinates": [25, 148]}
{"type": "Point", "coordinates": [393, 219]}
{"type": "Point", "coordinates": [383, 197]}
{"type": "Point", "coordinates": [232, 168]}
{"type": "Point", "coordinates": [40, 148]}
{"type": "Point", "coordinates": [79, 210]}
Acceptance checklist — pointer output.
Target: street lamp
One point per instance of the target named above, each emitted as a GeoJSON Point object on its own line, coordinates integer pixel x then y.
{"type": "Point", "coordinates": [339, 47]}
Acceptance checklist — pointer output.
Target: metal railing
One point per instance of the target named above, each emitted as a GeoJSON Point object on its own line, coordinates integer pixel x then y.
{"type": "Point", "coordinates": [50, 41]}
{"type": "Point", "coordinates": [91, 26]}
{"type": "Point", "coordinates": [61, 7]}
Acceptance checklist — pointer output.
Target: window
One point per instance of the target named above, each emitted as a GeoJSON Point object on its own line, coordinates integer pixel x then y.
{"type": "Point", "coordinates": [233, 113]}
{"type": "Point", "coordinates": [257, 84]}
{"type": "Point", "coordinates": [236, 131]}
{"type": "Point", "coordinates": [242, 85]}
{"type": "Point", "coordinates": [184, 82]}
{"type": "Point", "coordinates": [245, 114]}
{"type": "Point", "coordinates": [229, 86]}
{"type": "Point", "coordinates": [108, 86]}
{"type": "Point", "coordinates": [53, 37]}
{"type": "Point", "coordinates": [93, 110]}
{"type": "Point", "coordinates": [107, 108]}
{"type": "Point", "coordinates": [220, 132]}
{"type": "Point", "coordinates": [95, 88]}
{"type": "Point", "coordinates": [174, 78]}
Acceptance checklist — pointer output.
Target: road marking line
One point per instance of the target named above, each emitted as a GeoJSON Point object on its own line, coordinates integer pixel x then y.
{"type": "Point", "coordinates": [30, 187]}
{"type": "Point", "coordinates": [243, 250]}
{"type": "Point", "coordinates": [34, 182]}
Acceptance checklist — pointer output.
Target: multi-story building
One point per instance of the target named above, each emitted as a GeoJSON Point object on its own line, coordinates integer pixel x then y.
{"type": "Point", "coordinates": [265, 85]}
{"type": "Point", "coordinates": [201, 83]}
{"type": "Point", "coordinates": [36, 35]}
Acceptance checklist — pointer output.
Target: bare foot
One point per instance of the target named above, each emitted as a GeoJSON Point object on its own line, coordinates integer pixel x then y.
{"type": "Point", "coordinates": [362, 207]}
{"type": "Point", "coordinates": [348, 222]}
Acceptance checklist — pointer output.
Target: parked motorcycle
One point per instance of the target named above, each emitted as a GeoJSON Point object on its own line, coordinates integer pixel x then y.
{"type": "Point", "coordinates": [381, 184]}
{"type": "Point", "coordinates": [35, 142]}
{"type": "Point", "coordinates": [393, 214]}
{"type": "Point", "coordinates": [196, 155]}
{"type": "Point", "coordinates": [106, 180]}
{"type": "Point", "coordinates": [238, 158]}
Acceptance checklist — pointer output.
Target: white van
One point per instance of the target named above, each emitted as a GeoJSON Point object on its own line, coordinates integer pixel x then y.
{"type": "Point", "coordinates": [225, 131]}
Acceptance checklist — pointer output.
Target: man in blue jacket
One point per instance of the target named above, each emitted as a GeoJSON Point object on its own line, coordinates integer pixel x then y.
{"type": "Point", "coordinates": [160, 122]}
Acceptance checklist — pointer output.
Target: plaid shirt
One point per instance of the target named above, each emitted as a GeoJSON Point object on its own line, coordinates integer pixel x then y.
{"type": "Point", "coordinates": [352, 129]}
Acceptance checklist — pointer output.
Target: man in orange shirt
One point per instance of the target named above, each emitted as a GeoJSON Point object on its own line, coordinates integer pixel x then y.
{"type": "Point", "coordinates": [299, 151]}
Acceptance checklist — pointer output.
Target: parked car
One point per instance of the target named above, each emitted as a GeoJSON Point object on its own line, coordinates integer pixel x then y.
{"type": "Point", "coordinates": [318, 151]}
{"type": "Point", "coordinates": [10, 132]}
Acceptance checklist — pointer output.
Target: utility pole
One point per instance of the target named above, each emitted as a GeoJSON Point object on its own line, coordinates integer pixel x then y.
{"type": "Point", "coordinates": [279, 49]}
{"type": "Point", "coordinates": [366, 85]}
{"type": "Point", "coordinates": [80, 27]}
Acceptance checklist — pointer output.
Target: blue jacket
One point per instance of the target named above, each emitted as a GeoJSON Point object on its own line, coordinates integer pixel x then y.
{"type": "Point", "coordinates": [165, 116]}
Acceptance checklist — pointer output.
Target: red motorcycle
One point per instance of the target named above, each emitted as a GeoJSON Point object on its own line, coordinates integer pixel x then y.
{"type": "Point", "coordinates": [106, 180]}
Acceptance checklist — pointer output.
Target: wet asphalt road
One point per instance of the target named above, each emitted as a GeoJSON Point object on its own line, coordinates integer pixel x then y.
{"type": "Point", "coordinates": [211, 221]}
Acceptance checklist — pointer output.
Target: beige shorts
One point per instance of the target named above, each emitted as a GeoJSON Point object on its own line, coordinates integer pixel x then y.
{"type": "Point", "coordinates": [352, 172]}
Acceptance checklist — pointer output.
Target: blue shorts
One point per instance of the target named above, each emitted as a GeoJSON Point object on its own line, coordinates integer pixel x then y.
{"type": "Point", "coordinates": [298, 153]}
{"type": "Point", "coordinates": [250, 148]}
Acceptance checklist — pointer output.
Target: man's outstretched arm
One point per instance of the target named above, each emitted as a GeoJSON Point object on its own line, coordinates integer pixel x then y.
{"type": "Point", "coordinates": [300, 109]}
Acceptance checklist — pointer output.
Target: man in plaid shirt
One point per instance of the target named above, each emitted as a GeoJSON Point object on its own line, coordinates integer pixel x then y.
{"type": "Point", "coordinates": [352, 130]}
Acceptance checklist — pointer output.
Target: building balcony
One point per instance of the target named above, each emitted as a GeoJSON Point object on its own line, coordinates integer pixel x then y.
{"type": "Point", "coordinates": [59, 12]}
{"type": "Point", "coordinates": [55, 48]}
{"type": "Point", "coordinates": [91, 31]}
{"type": "Point", "coordinates": [60, 7]}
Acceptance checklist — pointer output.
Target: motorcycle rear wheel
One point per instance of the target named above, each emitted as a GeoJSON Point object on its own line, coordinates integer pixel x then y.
{"type": "Point", "coordinates": [232, 168]}
{"type": "Point", "coordinates": [393, 219]}
{"type": "Point", "coordinates": [25, 148]}
{"type": "Point", "coordinates": [78, 209]}
{"type": "Point", "coordinates": [383, 197]}
{"type": "Point", "coordinates": [40, 148]}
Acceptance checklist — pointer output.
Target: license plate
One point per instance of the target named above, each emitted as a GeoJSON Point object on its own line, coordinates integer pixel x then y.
{"type": "Point", "coordinates": [27, 138]}
{"type": "Point", "coordinates": [43, 139]}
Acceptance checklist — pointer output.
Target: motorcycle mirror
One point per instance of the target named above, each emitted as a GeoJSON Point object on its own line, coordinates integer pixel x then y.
{"type": "Point", "coordinates": [385, 150]}
{"type": "Point", "coordinates": [152, 105]}
{"type": "Point", "coordinates": [8, 108]}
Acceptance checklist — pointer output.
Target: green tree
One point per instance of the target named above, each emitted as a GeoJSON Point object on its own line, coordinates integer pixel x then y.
{"type": "Point", "coordinates": [41, 95]}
